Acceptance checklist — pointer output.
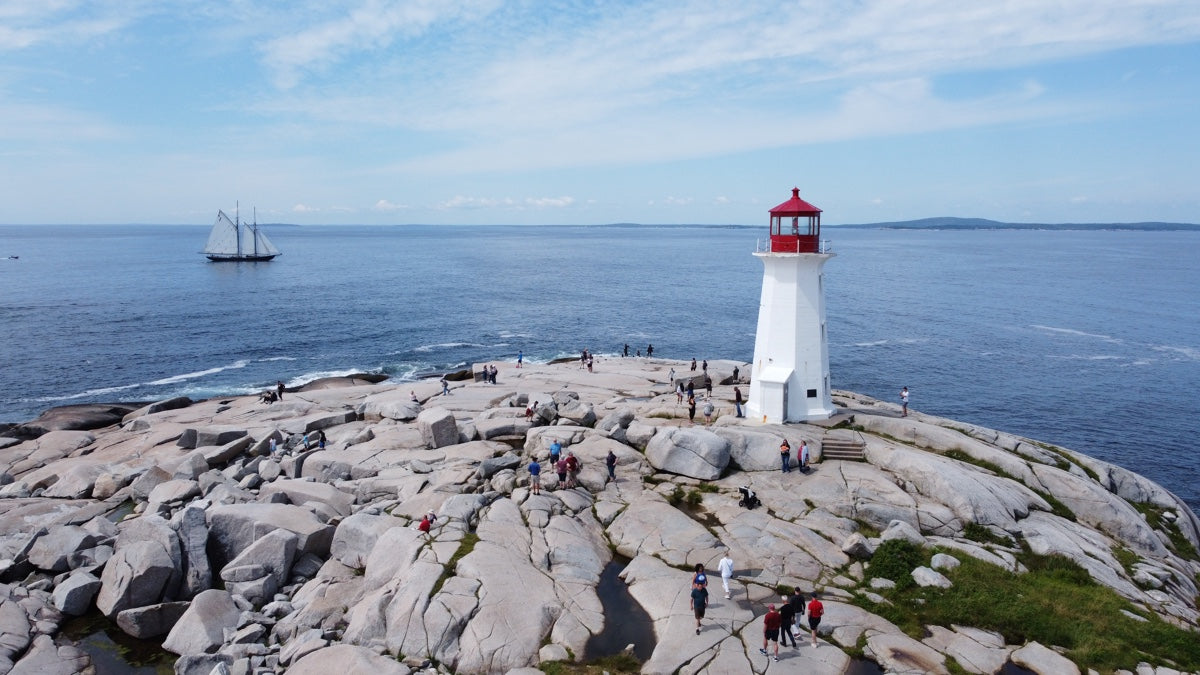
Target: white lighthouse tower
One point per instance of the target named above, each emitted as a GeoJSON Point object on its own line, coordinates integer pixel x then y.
{"type": "Point", "coordinates": [789, 378]}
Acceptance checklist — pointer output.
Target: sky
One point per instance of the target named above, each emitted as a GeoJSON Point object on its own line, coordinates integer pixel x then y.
{"type": "Point", "coordinates": [574, 112]}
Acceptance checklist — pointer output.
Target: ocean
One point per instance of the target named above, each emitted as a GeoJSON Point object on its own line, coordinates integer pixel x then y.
{"type": "Point", "coordinates": [1084, 339]}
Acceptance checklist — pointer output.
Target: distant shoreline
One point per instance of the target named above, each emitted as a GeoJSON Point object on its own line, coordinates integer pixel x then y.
{"type": "Point", "coordinates": [939, 223]}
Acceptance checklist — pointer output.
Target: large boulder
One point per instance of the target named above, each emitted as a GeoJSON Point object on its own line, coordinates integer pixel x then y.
{"type": "Point", "coordinates": [151, 621]}
{"type": "Point", "coordinates": [301, 492]}
{"type": "Point", "coordinates": [233, 527]}
{"type": "Point", "coordinates": [393, 404]}
{"type": "Point", "coordinates": [751, 450]}
{"type": "Point", "coordinates": [146, 567]}
{"type": "Point", "coordinates": [438, 427]}
{"type": "Point", "coordinates": [193, 538]}
{"type": "Point", "coordinates": [273, 553]}
{"type": "Point", "coordinates": [346, 659]}
{"type": "Point", "coordinates": [73, 595]}
{"type": "Point", "coordinates": [696, 453]}
{"type": "Point", "coordinates": [137, 575]}
{"type": "Point", "coordinates": [357, 535]}
{"type": "Point", "coordinates": [52, 551]}
{"type": "Point", "coordinates": [202, 627]}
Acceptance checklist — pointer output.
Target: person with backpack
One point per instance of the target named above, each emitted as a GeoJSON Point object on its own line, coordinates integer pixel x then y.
{"type": "Point", "coordinates": [815, 611]}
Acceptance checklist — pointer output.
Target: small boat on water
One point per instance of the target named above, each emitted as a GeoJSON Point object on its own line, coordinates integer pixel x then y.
{"type": "Point", "coordinates": [235, 241]}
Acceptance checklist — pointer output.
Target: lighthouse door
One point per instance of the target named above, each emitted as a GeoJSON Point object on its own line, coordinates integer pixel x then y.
{"type": "Point", "coordinates": [785, 415]}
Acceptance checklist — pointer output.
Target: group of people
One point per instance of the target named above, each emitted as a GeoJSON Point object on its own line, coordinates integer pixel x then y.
{"type": "Point", "coordinates": [567, 467]}
{"type": "Point", "coordinates": [489, 372]}
{"type": "Point", "coordinates": [778, 624]}
{"type": "Point", "coordinates": [785, 456]}
{"type": "Point", "coordinates": [649, 350]}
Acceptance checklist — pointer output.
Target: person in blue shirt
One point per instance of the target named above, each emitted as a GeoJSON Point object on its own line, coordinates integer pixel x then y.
{"type": "Point", "coordinates": [555, 451]}
{"type": "Point", "coordinates": [535, 477]}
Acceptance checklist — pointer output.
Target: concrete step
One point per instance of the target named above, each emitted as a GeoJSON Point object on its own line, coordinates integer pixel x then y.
{"type": "Point", "coordinates": [842, 448]}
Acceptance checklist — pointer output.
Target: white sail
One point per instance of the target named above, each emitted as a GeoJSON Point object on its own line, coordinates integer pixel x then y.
{"type": "Point", "coordinates": [263, 245]}
{"type": "Point", "coordinates": [230, 240]}
{"type": "Point", "coordinates": [223, 240]}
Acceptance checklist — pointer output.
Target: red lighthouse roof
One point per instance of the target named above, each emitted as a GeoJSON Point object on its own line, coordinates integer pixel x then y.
{"type": "Point", "coordinates": [795, 207]}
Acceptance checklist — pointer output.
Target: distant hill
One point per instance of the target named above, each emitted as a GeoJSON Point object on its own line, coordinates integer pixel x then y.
{"type": "Point", "coordinates": [949, 223]}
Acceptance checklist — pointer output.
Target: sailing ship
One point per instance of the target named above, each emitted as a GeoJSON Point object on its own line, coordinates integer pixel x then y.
{"type": "Point", "coordinates": [234, 241]}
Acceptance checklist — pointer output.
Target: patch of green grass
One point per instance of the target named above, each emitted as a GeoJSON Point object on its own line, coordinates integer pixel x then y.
{"type": "Point", "coordinates": [676, 496]}
{"type": "Point", "coordinates": [1179, 543]}
{"type": "Point", "coordinates": [693, 498]}
{"type": "Point", "coordinates": [465, 546]}
{"type": "Point", "coordinates": [661, 415]}
{"type": "Point", "coordinates": [864, 528]}
{"type": "Point", "coordinates": [709, 487]}
{"type": "Point", "coordinates": [1126, 557]}
{"type": "Point", "coordinates": [1056, 507]}
{"type": "Point", "coordinates": [981, 534]}
{"type": "Point", "coordinates": [954, 667]}
{"type": "Point", "coordinates": [895, 559]}
{"type": "Point", "coordinates": [1055, 603]}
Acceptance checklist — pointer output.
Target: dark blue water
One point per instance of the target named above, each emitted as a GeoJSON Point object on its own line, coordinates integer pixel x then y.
{"type": "Point", "coordinates": [1090, 340]}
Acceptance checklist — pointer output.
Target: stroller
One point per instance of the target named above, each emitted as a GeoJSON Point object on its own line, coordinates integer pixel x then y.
{"type": "Point", "coordinates": [749, 499]}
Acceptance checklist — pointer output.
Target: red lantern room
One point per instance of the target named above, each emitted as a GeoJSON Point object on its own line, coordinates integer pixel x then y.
{"type": "Point", "coordinates": [795, 226]}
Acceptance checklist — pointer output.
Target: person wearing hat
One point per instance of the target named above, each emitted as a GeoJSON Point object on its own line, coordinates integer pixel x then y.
{"type": "Point", "coordinates": [771, 624]}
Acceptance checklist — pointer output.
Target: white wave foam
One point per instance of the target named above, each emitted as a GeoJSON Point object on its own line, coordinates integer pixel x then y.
{"type": "Point", "coordinates": [301, 380]}
{"type": "Point", "coordinates": [84, 394]}
{"type": "Point", "coordinates": [875, 343]}
{"type": "Point", "coordinates": [278, 358]}
{"type": "Point", "coordinates": [1190, 353]}
{"type": "Point", "coordinates": [175, 379]}
{"type": "Point", "coordinates": [1078, 333]}
{"type": "Point", "coordinates": [1087, 357]}
{"type": "Point", "coordinates": [445, 345]}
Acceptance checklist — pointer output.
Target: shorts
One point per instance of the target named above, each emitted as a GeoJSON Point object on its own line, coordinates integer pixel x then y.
{"type": "Point", "coordinates": [813, 622]}
{"type": "Point", "coordinates": [535, 481]}
{"type": "Point", "coordinates": [699, 611]}
{"type": "Point", "coordinates": [771, 634]}
{"type": "Point", "coordinates": [562, 476]}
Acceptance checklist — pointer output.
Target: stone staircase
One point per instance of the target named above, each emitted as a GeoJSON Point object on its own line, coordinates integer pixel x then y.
{"type": "Point", "coordinates": [842, 444]}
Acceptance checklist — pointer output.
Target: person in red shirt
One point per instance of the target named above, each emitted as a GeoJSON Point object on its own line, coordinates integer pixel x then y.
{"type": "Point", "coordinates": [771, 623]}
{"type": "Point", "coordinates": [427, 523]}
{"type": "Point", "coordinates": [815, 611]}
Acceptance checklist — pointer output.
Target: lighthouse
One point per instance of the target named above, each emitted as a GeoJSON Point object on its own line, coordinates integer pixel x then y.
{"type": "Point", "coordinates": [789, 378]}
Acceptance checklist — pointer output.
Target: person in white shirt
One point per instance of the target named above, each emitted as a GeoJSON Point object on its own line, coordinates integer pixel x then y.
{"type": "Point", "coordinates": [725, 567]}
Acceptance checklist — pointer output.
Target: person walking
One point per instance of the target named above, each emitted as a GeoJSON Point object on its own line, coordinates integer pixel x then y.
{"type": "Point", "coordinates": [520, 358]}
{"type": "Point", "coordinates": [815, 611]}
{"type": "Point", "coordinates": [771, 630]}
{"type": "Point", "coordinates": [737, 401]}
{"type": "Point", "coordinates": [785, 455]}
{"type": "Point", "coordinates": [320, 440]}
{"type": "Point", "coordinates": [704, 366]}
{"type": "Point", "coordinates": [691, 409]}
{"type": "Point", "coordinates": [445, 386]}
{"type": "Point", "coordinates": [535, 477]}
{"type": "Point", "coordinates": [904, 402]}
{"type": "Point", "coordinates": [611, 462]}
{"type": "Point", "coordinates": [797, 603]}
{"type": "Point", "coordinates": [699, 603]}
{"type": "Point", "coordinates": [707, 386]}
{"type": "Point", "coordinates": [649, 351]}
{"type": "Point", "coordinates": [725, 567]}
{"type": "Point", "coordinates": [787, 617]}
{"type": "Point", "coordinates": [279, 390]}
{"type": "Point", "coordinates": [700, 578]}
{"type": "Point", "coordinates": [671, 376]}
{"type": "Point", "coordinates": [708, 411]}
{"type": "Point", "coordinates": [693, 363]}
{"type": "Point", "coordinates": [679, 393]}
{"type": "Point", "coordinates": [555, 451]}
{"type": "Point", "coordinates": [735, 374]}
